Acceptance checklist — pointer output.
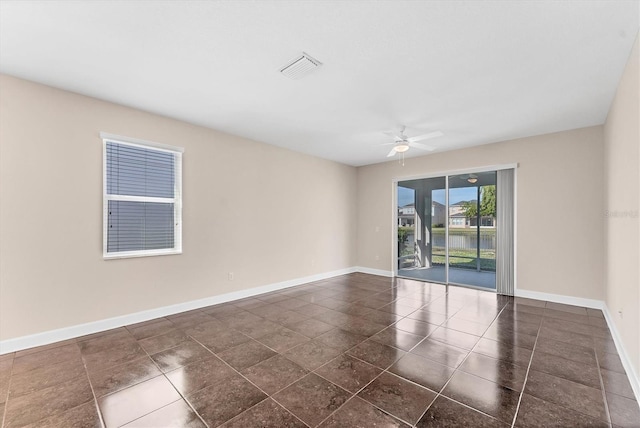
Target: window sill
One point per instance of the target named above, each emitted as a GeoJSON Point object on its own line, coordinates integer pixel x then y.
{"type": "Point", "coordinates": [134, 254]}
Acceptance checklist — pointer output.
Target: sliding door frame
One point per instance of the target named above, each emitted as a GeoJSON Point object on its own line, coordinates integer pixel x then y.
{"type": "Point", "coordinates": [446, 174]}
{"type": "Point", "coordinates": [446, 230]}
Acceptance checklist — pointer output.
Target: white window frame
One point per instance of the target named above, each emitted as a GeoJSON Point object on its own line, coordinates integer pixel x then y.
{"type": "Point", "coordinates": [176, 200]}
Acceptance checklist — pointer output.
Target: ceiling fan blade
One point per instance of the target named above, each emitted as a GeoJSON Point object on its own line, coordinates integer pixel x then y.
{"type": "Point", "coordinates": [426, 136]}
{"type": "Point", "coordinates": [421, 146]}
{"type": "Point", "coordinates": [391, 153]}
{"type": "Point", "coordinates": [393, 135]}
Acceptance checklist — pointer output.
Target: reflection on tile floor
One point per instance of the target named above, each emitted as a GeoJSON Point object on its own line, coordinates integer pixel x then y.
{"type": "Point", "coordinates": [352, 351]}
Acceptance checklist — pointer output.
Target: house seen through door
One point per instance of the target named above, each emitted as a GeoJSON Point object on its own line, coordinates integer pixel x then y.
{"type": "Point", "coordinates": [447, 229]}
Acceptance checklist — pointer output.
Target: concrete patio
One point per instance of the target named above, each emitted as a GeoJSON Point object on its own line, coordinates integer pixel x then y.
{"type": "Point", "coordinates": [474, 278]}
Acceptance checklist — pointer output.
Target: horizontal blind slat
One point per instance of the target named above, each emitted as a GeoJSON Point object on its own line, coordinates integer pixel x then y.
{"type": "Point", "coordinates": [136, 171]}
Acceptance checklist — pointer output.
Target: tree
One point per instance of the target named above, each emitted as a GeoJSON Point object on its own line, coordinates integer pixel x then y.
{"type": "Point", "coordinates": [487, 203]}
{"type": "Point", "coordinates": [403, 233]}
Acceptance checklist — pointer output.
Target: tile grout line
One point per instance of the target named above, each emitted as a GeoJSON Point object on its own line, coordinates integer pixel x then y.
{"type": "Point", "coordinates": [319, 375]}
{"type": "Point", "coordinates": [165, 375]}
{"type": "Point", "coordinates": [572, 361]}
{"type": "Point", "coordinates": [386, 370]}
{"type": "Point", "coordinates": [269, 396]}
{"type": "Point", "coordinates": [6, 401]}
{"type": "Point", "coordinates": [248, 380]}
{"type": "Point", "coordinates": [184, 397]}
{"type": "Point", "coordinates": [366, 362]}
{"type": "Point", "coordinates": [95, 398]}
{"type": "Point", "coordinates": [526, 376]}
{"type": "Point", "coordinates": [11, 376]}
{"type": "Point", "coordinates": [93, 392]}
{"type": "Point", "coordinates": [50, 386]}
{"type": "Point", "coordinates": [439, 393]}
{"type": "Point", "coordinates": [361, 389]}
{"type": "Point", "coordinates": [604, 393]}
{"type": "Point", "coordinates": [416, 345]}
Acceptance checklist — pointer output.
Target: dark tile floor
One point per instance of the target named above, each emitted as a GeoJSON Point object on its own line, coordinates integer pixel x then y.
{"type": "Point", "coordinates": [353, 351]}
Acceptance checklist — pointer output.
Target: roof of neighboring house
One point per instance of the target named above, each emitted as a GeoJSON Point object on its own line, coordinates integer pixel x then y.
{"type": "Point", "coordinates": [457, 204]}
{"type": "Point", "coordinates": [412, 205]}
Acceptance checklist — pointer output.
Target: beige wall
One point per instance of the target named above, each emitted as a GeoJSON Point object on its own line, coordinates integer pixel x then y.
{"type": "Point", "coordinates": [265, 213]}
{"type": "Point", "coordinates": [622, 204]}
{"type": "Point", "coordinates": [559, 192]}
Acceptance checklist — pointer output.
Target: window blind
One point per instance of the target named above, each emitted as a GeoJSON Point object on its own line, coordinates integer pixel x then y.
{"type": "Point", "coordinates": [140, 199]}
{"type": "Point", "coordinates": [505, 273]}
{"type": "Point", "coordinates": [135, 226]}
{"type": "Point", "coordinates": [138, 171]}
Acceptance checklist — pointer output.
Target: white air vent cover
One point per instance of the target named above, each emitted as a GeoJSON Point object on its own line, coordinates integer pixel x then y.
{"type": "Point", "coordinates": [300, 66]}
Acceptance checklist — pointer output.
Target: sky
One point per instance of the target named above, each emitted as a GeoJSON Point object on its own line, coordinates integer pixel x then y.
{"type": "Point", "coordinates": [405, 196]}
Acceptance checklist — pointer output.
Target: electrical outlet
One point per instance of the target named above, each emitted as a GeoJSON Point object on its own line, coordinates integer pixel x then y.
{"type": "Point", "coordinates": [230, 276]}
{"type": "Point", "coordinates": [377, 257]}
{"type": "Point", "coordinates": [377, 228]}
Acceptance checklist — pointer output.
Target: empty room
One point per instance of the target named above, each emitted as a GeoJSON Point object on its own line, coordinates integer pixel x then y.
{"type": "Point", "coordinates": [319, 213]}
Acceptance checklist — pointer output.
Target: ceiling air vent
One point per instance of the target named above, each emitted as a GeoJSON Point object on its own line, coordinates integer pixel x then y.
{"type": "Point", "coordinates": [300, 66]}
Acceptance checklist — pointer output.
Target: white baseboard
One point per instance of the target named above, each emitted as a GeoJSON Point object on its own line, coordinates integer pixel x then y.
{"type": "Point", "coordinates": [51, 336]}
{"type": "Point", "coordinates": [559, 298]}
{"type": "Point", "coordinates": [372, 271]}
{"type": "Point", "coordinates": [634, 379]}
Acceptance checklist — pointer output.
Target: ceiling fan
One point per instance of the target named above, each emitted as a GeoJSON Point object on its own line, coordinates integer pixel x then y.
{"type": "Point", "coordinates": [403, 143]}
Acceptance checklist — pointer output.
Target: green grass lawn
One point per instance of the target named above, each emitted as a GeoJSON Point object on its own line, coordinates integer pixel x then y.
{"type": "Point", "coordinates": [463, 259]}
{"type": "Point", "coordinates": [466, 259]}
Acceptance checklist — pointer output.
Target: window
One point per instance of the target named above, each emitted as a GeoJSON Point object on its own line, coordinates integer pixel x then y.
{"type": "Point", "coordinates": [486, 221]}
{"type": "Point", "coordinates": [456, 221]}
{"type": "Point", "coordinates": [142, 198]}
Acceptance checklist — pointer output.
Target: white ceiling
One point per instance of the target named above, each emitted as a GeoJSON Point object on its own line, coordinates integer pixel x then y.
{"type": "Point", "coordinates": [480, 71]}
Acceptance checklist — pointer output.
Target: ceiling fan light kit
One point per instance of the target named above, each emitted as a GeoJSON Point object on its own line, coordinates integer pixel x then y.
{"type": "Point", "coordinates": [401, 147]}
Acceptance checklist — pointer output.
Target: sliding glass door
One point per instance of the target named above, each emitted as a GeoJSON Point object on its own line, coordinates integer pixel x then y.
{"type": "Point", "coordinates": [447, 229]}
{"type": "Point", "coordinates": [472, 229]}
{"type": "Point", "coordinates": [421, 226]}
